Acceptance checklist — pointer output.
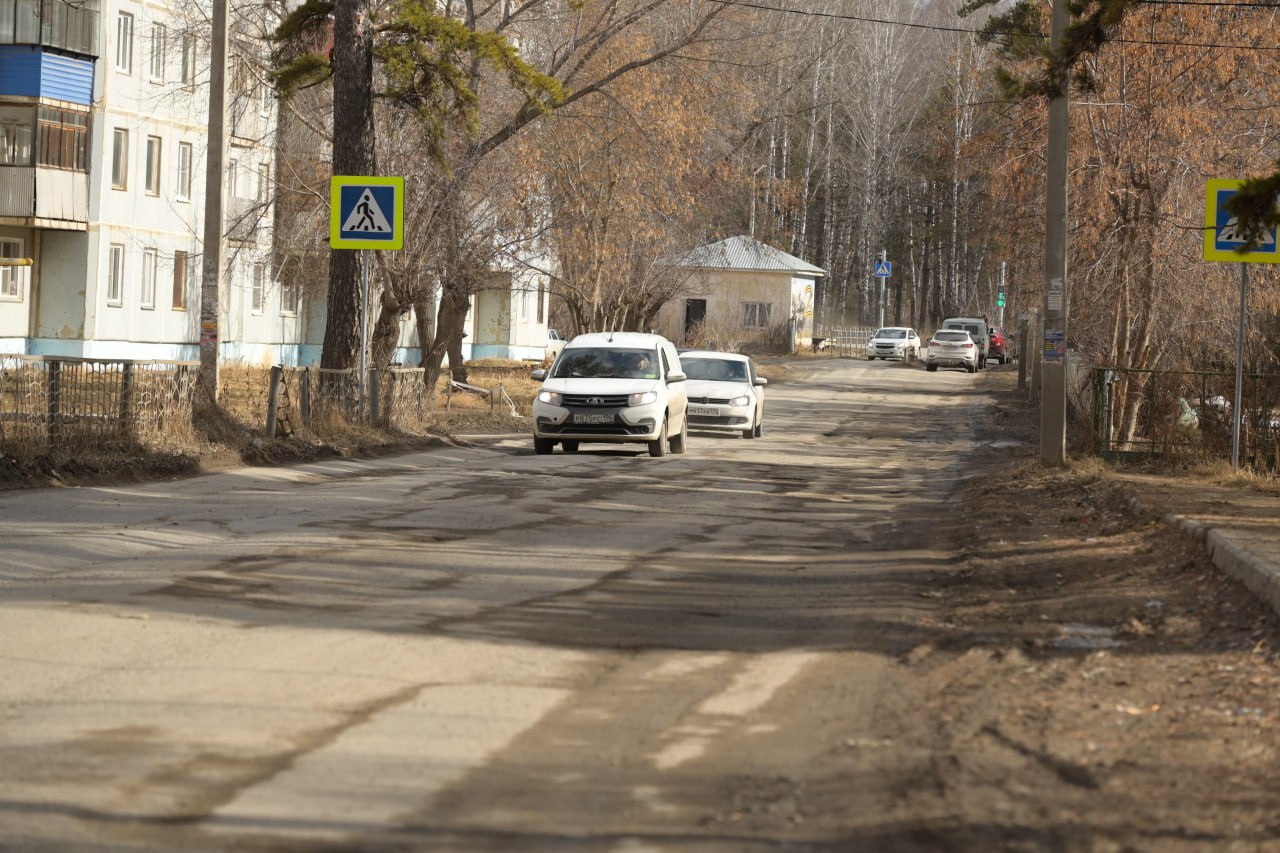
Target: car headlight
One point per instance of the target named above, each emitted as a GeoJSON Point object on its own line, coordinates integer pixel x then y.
{"type": "Point", "coordinates": [643, 398]}
{"type": "Point", "coordinates": [551, 398]}
{"type": "Point", "coordinates": [744, 400]}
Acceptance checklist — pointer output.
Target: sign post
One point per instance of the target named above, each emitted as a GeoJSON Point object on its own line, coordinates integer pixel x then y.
{"type": "Point", "coordinates": [1224, 240]}
{"type": "Point", "coordinates": [884, 269]}
{"type": "Point", "coordinates": [365, 212]}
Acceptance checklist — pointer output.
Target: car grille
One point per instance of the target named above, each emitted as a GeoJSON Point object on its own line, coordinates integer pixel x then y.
{"type": "Point", "coordinates": [595, 401]}
{"type": "Point", "coordinates": [703, 401]}
{"type": "Point", "coordinates": [618, 427]}
{"type": "Point", "coordinates": [716, 420]}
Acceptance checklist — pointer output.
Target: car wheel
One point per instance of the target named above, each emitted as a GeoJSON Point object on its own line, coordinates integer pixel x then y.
{"type": "Point", "coordinates": [932, 368]}
{"type": "Point", "coordinates": [760, 427]}
{"type": "Point", "coordinates": [972, 368]}
{"type": "Point", "coordinates": [569, 446]}
{"type": "Point", "coordinates": [871, 358]}
{"type": "Point", "coordinates": [658, 447]}
{"type": "Point", "coordinates": [678, 441]}
{"type": "Point", "coordinates": [542, 446]}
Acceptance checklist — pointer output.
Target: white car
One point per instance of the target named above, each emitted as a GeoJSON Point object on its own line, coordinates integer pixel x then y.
{"type": "Point", "coordinates": [954, 348]}
{"type": "Point", "coordinates": [614, 387]}
{"type": "Point", "coordinates": [894, 342]}
{"type": "Point", "coordinates": [725, 392]}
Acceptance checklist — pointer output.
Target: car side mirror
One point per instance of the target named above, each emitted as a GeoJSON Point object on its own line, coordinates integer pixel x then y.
{"type": "Point", "coordinates": [760, 380]}
{"type": "Point", "coordinates": [539, 374]}
{"type": "Point", "coordinates": [676, 376]}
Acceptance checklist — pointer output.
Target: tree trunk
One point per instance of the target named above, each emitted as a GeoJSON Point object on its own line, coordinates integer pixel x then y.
{"type": "Point", "coordinates": [353, 154]}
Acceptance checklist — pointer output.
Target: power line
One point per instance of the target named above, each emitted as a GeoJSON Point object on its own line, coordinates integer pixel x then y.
{"type": "Point", "coordinates": [942, 29]}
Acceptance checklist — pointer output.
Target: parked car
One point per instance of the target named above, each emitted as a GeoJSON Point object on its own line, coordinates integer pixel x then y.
{"type": "Point", "coordinates": [952, 348]}
{"type": "Point", "coordinates": [977, 328]}
{"type": "Point", "coordinates": [894, 342]}
{"type": "Point", "coordinates": [998, 346]}
{"type": "Point", "coordinates": [555, 344]}
{"type": "Point", "coordinates": [615, 387]}
{"type": "Point", "coordinates": [725, 392]}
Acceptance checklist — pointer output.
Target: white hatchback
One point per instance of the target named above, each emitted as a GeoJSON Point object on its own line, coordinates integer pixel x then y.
{"type": "Point", "coordinates": [614, 387]}
{"type": "Point", "coordinates": [725, 392]}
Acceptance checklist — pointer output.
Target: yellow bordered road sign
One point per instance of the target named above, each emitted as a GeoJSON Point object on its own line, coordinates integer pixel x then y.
{"type": "Point", "coordinates": [366, 212]}
{"type": "Point", "coordinates": [1222, 234]}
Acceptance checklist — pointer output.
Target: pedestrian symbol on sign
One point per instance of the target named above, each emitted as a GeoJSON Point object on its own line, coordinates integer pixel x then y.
{"type": "Point", "coordinates": [367, 216]}
{"type": "Point", "coordinates": [884, 269]}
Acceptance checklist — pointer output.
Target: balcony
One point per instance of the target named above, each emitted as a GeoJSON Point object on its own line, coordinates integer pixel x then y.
{"type": "Point", "coordinates": [71, 27]}
{"type": "Point", "coordinates": [36, 197]}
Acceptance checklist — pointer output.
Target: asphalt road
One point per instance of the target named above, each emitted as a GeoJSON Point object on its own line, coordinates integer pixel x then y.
{"type": "Point", "coordinates": [477, 648]}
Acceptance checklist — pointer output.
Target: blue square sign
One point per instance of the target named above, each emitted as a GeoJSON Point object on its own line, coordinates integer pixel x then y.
{"type": "Point", "coordinates": [366, 212]}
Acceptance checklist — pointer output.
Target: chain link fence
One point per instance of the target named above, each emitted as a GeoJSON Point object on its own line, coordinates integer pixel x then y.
{"type": "Point", "coordinates": [1183, 413]}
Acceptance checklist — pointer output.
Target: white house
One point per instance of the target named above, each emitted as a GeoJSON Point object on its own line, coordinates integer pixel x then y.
{"type": "Point", "coordinates": [746, 287]}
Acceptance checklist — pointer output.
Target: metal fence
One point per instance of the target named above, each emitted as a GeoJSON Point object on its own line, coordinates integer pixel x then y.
{"type": "Point", "coordinates": [1184, 413]}
{"type": "Point", "coordinates": [845, 343]}
{"type": "Point", "coordinates": [63, 407]}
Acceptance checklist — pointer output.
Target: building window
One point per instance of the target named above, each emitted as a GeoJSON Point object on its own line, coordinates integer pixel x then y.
{"type": "Point", "coordinates": [186, 156]}
{"type": "Point", "coordinates": [157, 53]}
{"type": "Point", "coordinates": [148, 296]}
{"type": "Point", "coordinates": [115, 276]}
{"type": "Point", "coordinates": [290, 298]}
{"type": "Point", "coordinates": [258, 291]}
{"type": "Point", "coordinates": [755, 315]}
{"type": "Point", "coordinates": [15, 135]}
{"type": "Point", "coordinates": [187, 73]}
{"type": "Point", "coordinates": [11, 278]}
{"type": "Point", "coordinates": [264, 182]}
{"type": "Point", "coordinates": [124, 43]}
{"type": "Point", "coordinates": [181, 276]}
{"type": "Point", "coordinates": [120, 159]}
{"type": "Point", "coordinates": [154, 146]}
{"type": "Point", "coordinates": [62, 139]}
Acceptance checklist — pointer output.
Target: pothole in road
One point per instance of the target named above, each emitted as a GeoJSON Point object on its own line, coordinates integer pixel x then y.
{"type": "Point", "coordinates": [1079, 635]}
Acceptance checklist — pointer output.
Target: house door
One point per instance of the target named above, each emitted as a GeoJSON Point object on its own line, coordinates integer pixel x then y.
{"type": "Point", "coordinates": [695, 313]}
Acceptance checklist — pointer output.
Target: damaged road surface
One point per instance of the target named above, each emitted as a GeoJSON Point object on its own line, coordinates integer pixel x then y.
{"type": "Point", "coordinates": [881, 627]}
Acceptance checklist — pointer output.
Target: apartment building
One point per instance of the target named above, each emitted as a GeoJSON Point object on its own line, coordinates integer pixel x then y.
{"type": "Point", "coordinates": [103, 138]}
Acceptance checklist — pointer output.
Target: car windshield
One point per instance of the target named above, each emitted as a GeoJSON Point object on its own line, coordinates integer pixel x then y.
{"type": "Point", "coordinates": [892, 333]}
{"type": "Point", "coordinates": [607, 362]}
{"type": "Point", "coordinates": [951, 337]}
{"type": "Point", "coordinates": [718, 369]}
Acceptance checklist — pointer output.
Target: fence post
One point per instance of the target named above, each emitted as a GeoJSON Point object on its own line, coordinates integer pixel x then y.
{"type": "Point", "coordinates": [53, 428]}
{"type": "Point", "coordinates": [304, 398]}
{"type": "Point", "coordinates": [126, 402]}
{"type": "Point", "coordinates": [273, 400]}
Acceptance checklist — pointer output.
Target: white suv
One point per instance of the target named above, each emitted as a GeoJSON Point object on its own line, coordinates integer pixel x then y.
{"type": "Point", "coordinates": [617, 387]}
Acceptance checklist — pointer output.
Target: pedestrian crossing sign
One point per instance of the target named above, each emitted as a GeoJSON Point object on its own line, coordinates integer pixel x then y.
{"type": "Point", "coordinates": [366, 212]}
{"type": "Point", "coordinates": [1223, 236]}
{"type": "Point", "coordinates": [884, 269]}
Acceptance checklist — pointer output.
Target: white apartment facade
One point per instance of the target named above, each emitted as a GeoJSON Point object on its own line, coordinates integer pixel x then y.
{"type": "Point", "coordinates": [103, 117]}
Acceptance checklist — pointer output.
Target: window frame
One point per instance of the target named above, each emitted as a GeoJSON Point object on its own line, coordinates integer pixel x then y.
{"type": "Point", "coordinates": [13, 280]}
{"type": "Point", "coordinates": [258, 288]}
{"type": "Point", "coordinates": [124, 42]}
{"type": "Point", "coordinates": [181, 279]}
{"type": "Point", "coordinates": [187, 61]}
{"type": "Point", "coordinates": [147, 281]}
{"type": "Point", "coordinates": [115, 275]}
{"type": "Point", "coordinates": [290, 299]}
{"type": "Point", "coordinates": [155, 157]}
{"type": "Point", "coordinates": [186, 169]}
{"type": "Point", "coordinates": [120, 158]}
{"type": "Point", "coordinates": [156, 60]}
{"type": "Point", "coordinates": [756, 315]}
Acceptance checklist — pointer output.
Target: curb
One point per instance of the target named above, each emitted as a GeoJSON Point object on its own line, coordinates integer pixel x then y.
{"type": "Point", "coordinates": [1260, 576]}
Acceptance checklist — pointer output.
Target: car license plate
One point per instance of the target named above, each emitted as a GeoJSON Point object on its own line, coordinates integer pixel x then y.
{"type": "Point", "coordinates": [703, 410]}
{"type": "Point", "coordinates": [592, 418]}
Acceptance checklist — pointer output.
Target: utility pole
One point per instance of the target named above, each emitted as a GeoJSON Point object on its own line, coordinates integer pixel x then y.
{"type": "Point", "coordinates": [214, 190]}
{"type": "Point", "coordinates": [1053, 391]}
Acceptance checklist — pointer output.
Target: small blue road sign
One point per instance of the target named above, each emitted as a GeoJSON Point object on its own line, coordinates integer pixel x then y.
{"type": "Point", "coordinates": [884, 269]}
{"type": "Point", "coordinates": [1223, 235]}
{"type": "Point", "coordinates": [366, 212]}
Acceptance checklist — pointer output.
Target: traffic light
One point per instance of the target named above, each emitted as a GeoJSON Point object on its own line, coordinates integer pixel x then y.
{"type": "Point", "coordinates": [1000, 299]}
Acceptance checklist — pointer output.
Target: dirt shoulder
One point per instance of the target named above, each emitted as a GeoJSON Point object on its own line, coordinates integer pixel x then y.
{"type": "Point", "coordinates": [1104, 686]}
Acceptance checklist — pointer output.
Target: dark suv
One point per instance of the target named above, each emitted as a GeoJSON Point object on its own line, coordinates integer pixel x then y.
{"type": "Point", "coordinates": [1000, 348]}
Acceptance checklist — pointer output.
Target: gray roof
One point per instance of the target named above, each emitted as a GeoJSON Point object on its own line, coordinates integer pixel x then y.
{"type": "Point", "coordinates": [744, 253]}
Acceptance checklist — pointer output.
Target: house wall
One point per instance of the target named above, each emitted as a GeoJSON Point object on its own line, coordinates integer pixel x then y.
{"type": "Point", "coordinates": [726, 292]}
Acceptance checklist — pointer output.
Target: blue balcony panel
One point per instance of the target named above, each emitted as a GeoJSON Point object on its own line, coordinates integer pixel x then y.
{"type": "Point", "coordinates": [30, 72]}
